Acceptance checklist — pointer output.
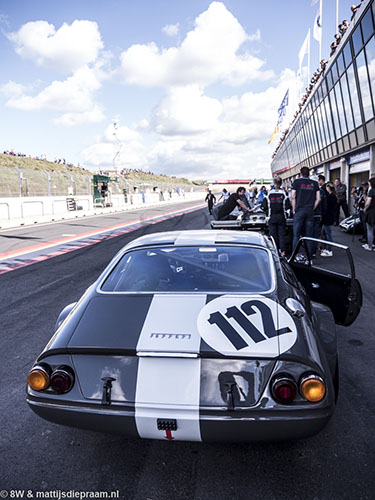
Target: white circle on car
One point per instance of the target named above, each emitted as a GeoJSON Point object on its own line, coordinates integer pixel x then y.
{"type": "Point", "coordinates": [247, 326]}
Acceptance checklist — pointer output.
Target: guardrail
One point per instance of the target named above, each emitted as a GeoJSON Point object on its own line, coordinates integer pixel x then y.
{"type": "Point", "coordinates": [23, 211]}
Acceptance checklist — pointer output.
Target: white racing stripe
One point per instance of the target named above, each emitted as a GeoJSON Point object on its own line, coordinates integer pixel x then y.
{"type": "Point", "coordinates": [171, 324]}
{"type": "Point", "coordinates": [169, 388]}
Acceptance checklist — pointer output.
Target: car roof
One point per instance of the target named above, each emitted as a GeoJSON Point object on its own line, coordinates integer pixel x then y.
{"type": "Point", "coordinates": [200, 237]}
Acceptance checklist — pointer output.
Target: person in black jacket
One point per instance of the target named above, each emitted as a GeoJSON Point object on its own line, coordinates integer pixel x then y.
{"type": "Point", "coordinates": [370, 215]}
{"type": "Point", "coordinates": [342, 201]}
{"type": "Point", "coordinates": [211, 199]}
{"type": "Point", "coordinates": [328, 218]}
{"type": "Point", "coordinates": [232, 202]}
{"type": "Point", "coordinates": [319, 211]}
{"type": "Point", "coordinates": [305, 198]}
{"type": "Point", "coordinates": [274, 205]}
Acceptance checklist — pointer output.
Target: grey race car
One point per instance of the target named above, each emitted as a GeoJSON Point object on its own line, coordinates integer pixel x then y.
{"type": "Point", "coordinates": [199, 336]}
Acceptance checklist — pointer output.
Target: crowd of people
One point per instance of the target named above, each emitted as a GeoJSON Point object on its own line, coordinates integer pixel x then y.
{"type": "Point", "coordinates": [314, 206]}
{"type": "Point", "coordinates": [127, 171]}
{"type": "Point", "coordinates": [12, 153]}
{"type": "Point", "coordinates": [342, 28]}
{"type": "Point", "coordinates": [59, 161]}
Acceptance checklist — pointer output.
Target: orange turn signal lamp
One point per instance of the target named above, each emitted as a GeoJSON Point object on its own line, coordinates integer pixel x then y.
{"type": "Point", "coordinates": [38, 378]}
{"type": "Point", "coordinates": [311, 387]}
{"type": "Point", "coordinates": [60, 380]}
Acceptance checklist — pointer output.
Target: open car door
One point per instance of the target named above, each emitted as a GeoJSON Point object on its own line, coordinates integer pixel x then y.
{"type": "Point", "coordinates": [328, 279]}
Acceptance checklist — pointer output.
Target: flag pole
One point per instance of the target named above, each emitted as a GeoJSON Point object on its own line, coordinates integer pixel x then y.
{"type": "Point", "coordinates": [321, 34]}
{"type": "Point", "coordinates": [337, 15]}
{"type": "Point", "coordinates": [308, 61]}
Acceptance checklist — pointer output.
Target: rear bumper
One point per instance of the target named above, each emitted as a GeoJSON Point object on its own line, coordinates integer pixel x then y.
{"type": "Point", "coordinates": [215, 426]}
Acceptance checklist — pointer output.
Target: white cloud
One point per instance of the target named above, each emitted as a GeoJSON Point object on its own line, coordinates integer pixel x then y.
{"type": "Point", "coordinates": [13, 89]}
{"type": "Point", "coordinates": [255, 36]}
{"type": "Point", "coordinates": [67, 49]}
{"type": "Point", "coordinates": [95, 115]}
{"type": "Point", "coordinates": [73, 97]}
{"type": "Point", "coordinates": [126, 141]}
{"type": "Point", "coordinates": [74, 94]}
{"type": "Point", "coordinates": [4, 20]}
{"type": "Point", "coordinates": [208, 54]}
{"type": "Point", "coordinates": [75, 49]}
{"type": "Point", "coordinates": [194, 136]}
{"type": "Point", "coordinates": [185, 110]}
{"type": "Point", "coordinates": [171, 29]}
{"type": "Point", "coordinates": [234, 144]}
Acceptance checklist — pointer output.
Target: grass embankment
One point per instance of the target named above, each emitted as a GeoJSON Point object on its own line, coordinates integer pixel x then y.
{"type": "Point", "coordinates": [33, 164]}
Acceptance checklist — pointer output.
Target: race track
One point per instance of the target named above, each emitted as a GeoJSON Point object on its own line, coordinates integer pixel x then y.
{"type": "Point", "coordinates": [37, 455]}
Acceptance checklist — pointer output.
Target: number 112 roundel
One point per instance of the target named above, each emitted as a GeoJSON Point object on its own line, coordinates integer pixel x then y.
{"type": "Point", "coordinates": [251, 326]}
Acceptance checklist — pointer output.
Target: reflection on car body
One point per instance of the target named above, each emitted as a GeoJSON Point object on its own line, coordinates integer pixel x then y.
{"type": "Point", "coordinates": [197, 336]}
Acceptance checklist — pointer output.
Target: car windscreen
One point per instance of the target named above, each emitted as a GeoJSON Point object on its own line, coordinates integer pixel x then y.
{"type": "Point", "coordinates": [192, 269]}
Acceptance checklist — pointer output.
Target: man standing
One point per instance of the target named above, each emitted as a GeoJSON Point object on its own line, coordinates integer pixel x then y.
{"type": "Point", "coordinates": [342, 201]}
{"type": "Point", "coordinates": [225, 195]}
{"type": "Point", "coordinates": [319, 211]}
{"type": "Point", "coordinates": [211, 199]}
{"type": "Point", "coordinates": [231, 203]}
{"type": "Point", "coordinates": [274, 204]}
{"type": "Point", "coordinates": [305, 198]}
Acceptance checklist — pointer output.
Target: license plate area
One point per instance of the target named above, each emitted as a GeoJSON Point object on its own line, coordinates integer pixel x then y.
{"type": "Point", "coordinates": [166, 424]}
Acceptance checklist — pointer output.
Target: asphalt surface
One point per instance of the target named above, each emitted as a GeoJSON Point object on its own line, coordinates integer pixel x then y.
{"type": "Point", "coordinates": [36, 455]}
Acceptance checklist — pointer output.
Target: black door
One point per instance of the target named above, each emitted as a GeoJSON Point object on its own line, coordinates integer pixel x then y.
{"type": "Point", "coordinates": [330, 278]}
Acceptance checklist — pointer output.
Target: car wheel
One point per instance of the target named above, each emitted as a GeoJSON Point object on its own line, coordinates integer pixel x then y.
{"type": "Point", "coordinates": [336, 380]}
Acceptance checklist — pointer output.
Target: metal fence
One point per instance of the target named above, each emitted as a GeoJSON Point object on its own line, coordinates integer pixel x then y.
{"type": "Point", "coordinates": [29, 182]}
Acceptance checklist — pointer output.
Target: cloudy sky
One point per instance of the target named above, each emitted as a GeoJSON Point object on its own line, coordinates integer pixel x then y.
{"type": "Point", "coordinates": [182, 88]}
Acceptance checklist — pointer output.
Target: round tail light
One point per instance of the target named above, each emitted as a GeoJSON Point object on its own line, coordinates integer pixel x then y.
{"type": "Point", "coordinates": [61, 380]}
{"type": "Point", "coordinates": [312, 388]}
{"type": "Point", "coordinates": [284, 389]}
{"type": "Point", "coordinates": [38, 378]}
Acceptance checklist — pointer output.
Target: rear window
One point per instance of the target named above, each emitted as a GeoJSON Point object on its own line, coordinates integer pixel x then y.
{"type": "Point", "coordinates": [189, 269]}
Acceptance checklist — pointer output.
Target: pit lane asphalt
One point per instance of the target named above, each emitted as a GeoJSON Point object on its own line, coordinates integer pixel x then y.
{"type": "Point", "coordinates": [37, 455]}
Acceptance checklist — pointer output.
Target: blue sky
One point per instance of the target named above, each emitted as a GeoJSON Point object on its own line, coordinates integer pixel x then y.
{"type": "Point", "coordinates": [193, 87]}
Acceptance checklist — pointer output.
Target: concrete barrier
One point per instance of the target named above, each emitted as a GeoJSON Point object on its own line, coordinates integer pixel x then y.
{"type": "Point", "coordinates": [26, 211]}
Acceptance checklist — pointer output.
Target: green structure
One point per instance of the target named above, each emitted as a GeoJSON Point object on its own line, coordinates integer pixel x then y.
{"type": "Point", "coordinates": [102, 195]}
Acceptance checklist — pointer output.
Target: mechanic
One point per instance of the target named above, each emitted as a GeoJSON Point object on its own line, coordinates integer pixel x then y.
{"type": "Point", "coordinates": [319, 212]}
{"type": "Point", "coordinates": [305, 198]}
{"type": "Point", "coordinates": [225, 195]}
{"type": "Point", "coordinates": [274, 205]}
{"type": "Point", "coordinates": [231, 203]}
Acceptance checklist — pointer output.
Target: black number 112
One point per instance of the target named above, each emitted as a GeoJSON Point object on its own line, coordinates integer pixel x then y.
{"type": "Point", "coordinates": [235, 313]}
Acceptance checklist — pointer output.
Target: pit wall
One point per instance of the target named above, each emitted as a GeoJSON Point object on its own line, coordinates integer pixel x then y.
{"type": "Point", "coordinates": [23, 211]}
